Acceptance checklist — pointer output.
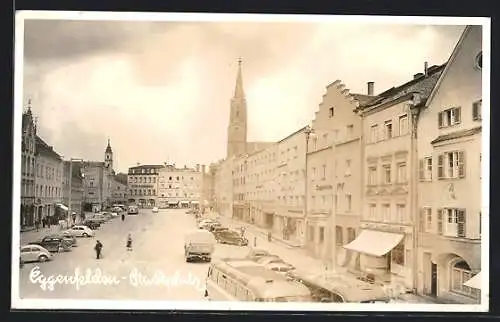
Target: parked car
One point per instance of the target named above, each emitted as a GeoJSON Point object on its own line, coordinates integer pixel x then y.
{"type": "Point", "coordinates": [270, 259]}
{"type": "Point", "coordinates": [109, 215]}
{"type": "Point", "coordinates": [67, 236]}
{"type": "Point", "coordinates": [230, 237]}
{"type": "Point", "coordinates": [282, 268]}
{"type": "Point", "coordinates": [34, 253]}
{"type": "Point", "coordinates": [81, 231]}
{"type": "Point", "coordinates": [53, 243]}
{"type": "Point", "coordinates": [256, 253]}
{"type": "Point", "coordinates": [92, 224]}
{"type": "Point", "coordinates": [100, 217]}
{"type": "Point", "coordinates": [155, 209]}
{"type": "Point", "coordinates": [117, 209]}
{"type": "Point", "coordinates": [205, 224]}
{"type": "Point", "coordinates": [219, 229]}
{"type": "Point", "coordinates": [133, 210]}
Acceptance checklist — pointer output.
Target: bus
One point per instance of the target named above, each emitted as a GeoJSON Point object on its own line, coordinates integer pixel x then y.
{"type": "Point", "coordinates": [244, 280]}
{"type": "Point", "coordinates": [339, 288]}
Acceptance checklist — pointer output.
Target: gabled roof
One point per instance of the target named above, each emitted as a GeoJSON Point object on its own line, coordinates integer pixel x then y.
{"type": "Point", "coordinates": [42, 148]}
{"type": "Point", "coordinates": [147, 166]}
{"type": "Point", "coordinates": [422, 85]}
{"type": "Point", "coordinates": [448, 64]}
{"type": "Point", "coordinates": [457, 135]}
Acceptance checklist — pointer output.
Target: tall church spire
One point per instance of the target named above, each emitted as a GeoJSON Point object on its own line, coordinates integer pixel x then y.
{"type": "Point", "coordinates": [238, 90]}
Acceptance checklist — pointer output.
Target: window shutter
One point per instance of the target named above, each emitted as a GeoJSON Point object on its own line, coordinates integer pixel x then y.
{"type": "Point", "coordinates": [440, 167]}
{"type": "Point", "coordinates": [461, 222]}
{"type": "Point", "coordinates": [475, 111]}
{"type": "Point", "coordinates": [440, 221]}
{"type": "Point", "coordinates": [457, 115]}
{"type": "Point", "coordinates": [440, 119]}
{"type": "Point", "coordinates": [421, 169]}
{"type": "Point", "coordinates": [461, 164]}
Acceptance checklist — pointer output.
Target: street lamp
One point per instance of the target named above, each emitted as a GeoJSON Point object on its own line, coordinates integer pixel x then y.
{"type": "Point", "coordinates": [309, 132]}
{"type": "Point", "coordinates": [70, 190]}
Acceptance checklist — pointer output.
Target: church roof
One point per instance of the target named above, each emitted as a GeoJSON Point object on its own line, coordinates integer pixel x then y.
{"type": "Point", "coordinates": [238, 90]}
{"type": "Point", "coordinates": [42, 148]}
{"type": "Point", "coordinates": [108, 148]}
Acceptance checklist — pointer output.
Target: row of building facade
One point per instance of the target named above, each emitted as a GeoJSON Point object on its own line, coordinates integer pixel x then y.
{"type": "Point", "coordinates": [54, 189]}
{"type": "Point", "coordinates": [167, 186]}
{"type": "Point", "coordinates": [386, 184]}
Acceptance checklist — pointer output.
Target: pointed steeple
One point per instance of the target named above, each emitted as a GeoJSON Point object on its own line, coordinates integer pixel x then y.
{"type": "Point", "coordinates": [238, 90]}
{"type": "Point", "coordinates": [108, 148]}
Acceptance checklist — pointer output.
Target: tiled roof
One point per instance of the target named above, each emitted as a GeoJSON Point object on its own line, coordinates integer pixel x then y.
{"type": "Point", "coordinates": [422, 85]}
{"type": "Point", "coordinates": [456, 135]}
{"type": "Point", "coordinates": [43, 148]}
{"type": "Point", "coordinates": [147, 166]}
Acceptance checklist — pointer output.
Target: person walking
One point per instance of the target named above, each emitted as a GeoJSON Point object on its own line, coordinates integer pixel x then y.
{"type": "Point", "coordinates": [123, 216]}
{"type": "Point", "coordinates": [129, 242]}
{"type": "Point", "coordinates": [98, 249]}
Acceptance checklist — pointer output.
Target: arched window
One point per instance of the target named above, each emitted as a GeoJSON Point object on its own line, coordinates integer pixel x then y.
{"type": "Point", "coordinates": [461, 273]}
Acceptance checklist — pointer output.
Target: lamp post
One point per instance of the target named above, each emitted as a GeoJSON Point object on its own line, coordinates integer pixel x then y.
{"type": "Point", "coordinates": [70, 177]}
{"type": "Point", "coordinates": [309, 132]}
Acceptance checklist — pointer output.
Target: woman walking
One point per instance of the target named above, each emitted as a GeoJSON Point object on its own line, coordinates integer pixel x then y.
{"type": "Point", "coordinates": [129, 242]}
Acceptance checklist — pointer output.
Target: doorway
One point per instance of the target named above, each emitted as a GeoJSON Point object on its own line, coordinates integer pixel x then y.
{"type": "Point", "coordinates": [434, 278]}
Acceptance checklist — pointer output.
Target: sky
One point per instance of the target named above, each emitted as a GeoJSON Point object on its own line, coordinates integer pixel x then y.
{"type": "Point", "coordinates": [161, 91]}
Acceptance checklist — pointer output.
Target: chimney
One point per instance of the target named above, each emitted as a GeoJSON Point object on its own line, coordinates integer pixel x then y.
{"type": "Point", "coordinates": [426, 65]}
{"type": "Point", "coordinates": [370, 88]}
{"type": "Point", "coordinates": [197, 168]}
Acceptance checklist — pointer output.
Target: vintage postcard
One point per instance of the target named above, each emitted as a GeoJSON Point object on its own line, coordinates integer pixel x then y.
{"type": "Point", "coordinates": [250, 162]}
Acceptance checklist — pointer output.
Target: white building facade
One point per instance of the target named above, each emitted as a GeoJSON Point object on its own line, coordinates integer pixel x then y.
{"type": "Point", "coordinates": [449, 153]}
{"type": "Point", "coordinates": [143, 185]}
{"type": "Point", "coordinates": [179, 187]}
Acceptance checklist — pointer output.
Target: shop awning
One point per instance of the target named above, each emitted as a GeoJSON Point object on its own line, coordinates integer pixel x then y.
{"type": "Point", "coordinates": [173, 202]}
{"type": "Point", "coordinates": [63, 207]}
{"type": "Point", "coordinates": [374, 243]}
{"type": "Point", "coordinates": [195, 202]}
{"type": "Point", "coordinates": [474, 282]}
{"type": "Point", "coordinates": [184, 201]}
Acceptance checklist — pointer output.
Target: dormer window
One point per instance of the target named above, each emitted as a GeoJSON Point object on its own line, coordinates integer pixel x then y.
{"type": "Point", "coordinates": [331, 112]}
{"type": "Point", "coordinates": [478, 62]}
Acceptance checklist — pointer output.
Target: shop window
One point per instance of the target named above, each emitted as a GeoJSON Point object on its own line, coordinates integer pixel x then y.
{"type": "Point", "coordinates": [398, 254]}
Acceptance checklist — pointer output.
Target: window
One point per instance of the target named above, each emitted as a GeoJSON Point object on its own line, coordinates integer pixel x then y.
{"type": "Point", "coordinates": [336, 202]}
{"type": "Point", "coordinates": [348, 199]}
{"type": "Point", "coordinates": [386, 212]}
{"type": "Point", "coordinates": [398, 254]}
{"type": "Point", "coordinates": [372, 211]}
{"type": "Point", "coordinates": [350, 131]}
{"type": "Point", "coordinates": [91, 184]}
{"type": "Point", "coordinates": [402, 172]}
{"type": "Point", "coordinates": [339, 239]}
{"type": "Point", "coordinates": [347, 168]}
{"type": "Point", "coordinates": [477, 110]}
{"type": "Point", "coordinates": [427, 214]}
{"type": "Point", "coordinates": [451, 165]}
{"type": "Point", "coordinates": [373, 133]}
{"type": "Point", "coordinates": [425, 169]}
{"type": "Point", "coordinates": [324, 172]}
{"type": "Point", "coordinates": [313, 173]}
{"type": "Point", "coordinates": [461, 273]}
{"type": "Point", "coordinates": [321, 234]}
{"type": "Point", "coordinates": [311, 233]}
{"type": "Point", "coordinates": [478, 62]}
{"type": "Point", "coordinates": [449, 117]}
{"type": "Point", "coordinates": [403, 125]}
{"type": "Point", "coordinates": [372, 176]}
{"type": "Point", "coordinates": [315, 143]}
{"type": "Point", "coordinates": [386, 174]}
{"type": "Point", "coordinates": [335, 135]}
{"type": "Point", "coordinates": [331, 112]}
{"type": "Point", "coordinates": [400, 212]}
{"type": "Point", "coordinates": [351, 234]}
{"type": "Point", "coordinates": [455, 222]}
{"type": "Point", "coordinates": [388, 129]}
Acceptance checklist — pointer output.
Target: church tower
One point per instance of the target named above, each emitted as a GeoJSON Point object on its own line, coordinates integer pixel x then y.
{"type": "Point", "coordinates": [108, 157]}
{"type": "Point", "coordinates": [237, 128]}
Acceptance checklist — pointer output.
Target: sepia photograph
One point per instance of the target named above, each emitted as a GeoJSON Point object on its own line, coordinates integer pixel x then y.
{"type": "Point", "coordinates": [250, 162]}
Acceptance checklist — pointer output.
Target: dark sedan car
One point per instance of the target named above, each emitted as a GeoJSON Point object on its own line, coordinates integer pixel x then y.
{"type": "Point", "coordinates": [231, 238]}
{"type": "Point", "coordinates": [53, 243]}
{"type": "Point", "coordinates": [92, 224]}
{"type": "Point", "coordinates": [67, 237]}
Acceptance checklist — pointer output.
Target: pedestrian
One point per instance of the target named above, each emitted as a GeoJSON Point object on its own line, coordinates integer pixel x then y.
{"type": "Point", "coordinates": [129, 242]}
{"type": "Point", "coordinates": [269, 236]}
{"type": "Point", "coordinates": [123, 216]}
{"type": "Point", "coordinates": [37, 225]}
{"type": "Point", "coordinates": [98, 248]}
{"type": "Point", "coordinates": [44, 222]}
{"type": "Point", "coordinates": [255, 242]}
